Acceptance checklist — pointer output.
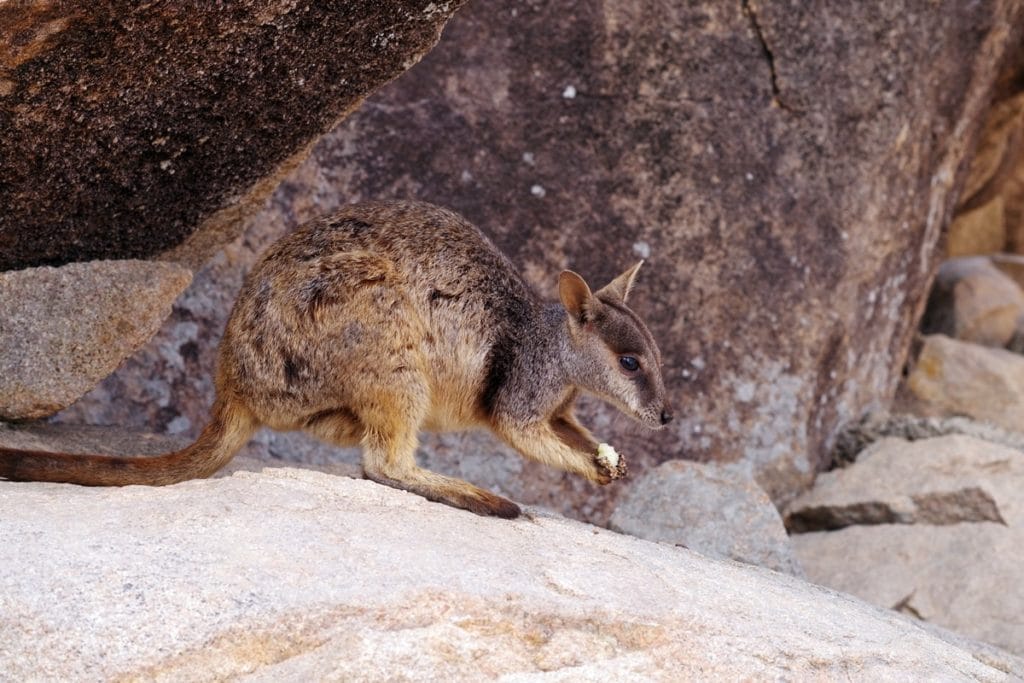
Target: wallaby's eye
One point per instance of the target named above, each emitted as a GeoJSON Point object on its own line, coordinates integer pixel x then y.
{"type": "Point", "coordinates": [629, 364]}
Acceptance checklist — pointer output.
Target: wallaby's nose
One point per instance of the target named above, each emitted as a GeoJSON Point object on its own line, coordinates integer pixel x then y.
{"type": "Point", "coordinates": [666, 416]}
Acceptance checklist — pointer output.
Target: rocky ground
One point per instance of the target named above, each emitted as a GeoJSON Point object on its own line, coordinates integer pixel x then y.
{"type": "Point", "coordinates": [293, 575]}
{"type": "Point", "coordinates": [923, 513]}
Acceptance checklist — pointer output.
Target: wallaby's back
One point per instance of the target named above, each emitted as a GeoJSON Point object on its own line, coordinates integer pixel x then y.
{"type": "Point", "coordinates": [367, 298]}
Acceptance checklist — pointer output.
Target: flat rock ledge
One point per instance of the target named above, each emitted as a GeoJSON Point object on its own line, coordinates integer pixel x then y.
{"type": "Point", "coordinates": [289, 574]}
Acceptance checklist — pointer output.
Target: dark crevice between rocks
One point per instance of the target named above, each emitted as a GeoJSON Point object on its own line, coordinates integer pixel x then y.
{"type": "Point", "coordinates": [769, 56]}
{"type": "Point", "coordinates": [967, 505]}
{"type": "Point", "coordinates": [904, 607]}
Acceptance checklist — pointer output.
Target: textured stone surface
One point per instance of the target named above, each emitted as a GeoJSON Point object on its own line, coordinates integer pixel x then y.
{"type": "Point", "coordinates": [1012, 265]}
{"type": "Point", "coordinates": [788, 205]}
{"type": "Point", "coordinates": [71, 438]}
{"type": "Point", "coordinates": [132, 128]}
{"type": "Point", "coordinates": [711, 509]}
{"type": "Point", "coordinates": [933, 528]}
{"type": "Point", "coordinates": [941, 481]}
{"type": "Point", "coordinates": [978, 232]}
{"type": "Point", "coordinates": [86, 439]}
{"type": "Point", "coordinates": [974, 301]}
{"type": "Point", "coordinates": [994, 187]}
{"type": "Point", "coordinates": [999, 147]}
{"type": "Point", "coordinates": [875, 426]}
{"type": "Point", "coordinates": [951, 377]}
{"type": "Point", "coordinates": [965, 577]}
{"type": "Point", "coordinates": [292, 575]}
{"type": "Point", "coordinates": [995, 177]}
{"type": "Point", "coordinates": [64, 329]}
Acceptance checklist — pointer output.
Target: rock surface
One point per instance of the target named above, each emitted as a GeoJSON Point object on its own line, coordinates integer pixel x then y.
{"type": "Point", "coordinates": [786, 173]}
{"type": "Point", "coordinates": [874, 427]}
{"type": "Point", "coordinates": [975, 301]}
{"type": "Point", "coordinates": [65, 438]}
{"type": "Point", "coordinates": [711, 509]}
{"type": "Point", "coordinates": [978, 232]}
{"type": "Point", "coordinates": [941, 481]}
{"type": "Point", "coordinates": [951, 377]}
{"type": "Point", "coordinates": [64, 329]}
{"type": "Point", "coordinates": [92, 439]}
{"type": "Point", "coordinates": [133, 128]}
{"type": "Point", "coordinates": [933, 528]}
{"type": "Point", "coordinates": [989, 214]}
{"type": "Point", "coordinates": [297, 575]}
{"type": "Point", "coordinates": [1012, 265]}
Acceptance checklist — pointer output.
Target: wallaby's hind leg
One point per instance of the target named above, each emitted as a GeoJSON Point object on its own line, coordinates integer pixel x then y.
{"type": "Point", "coordinates": [389, 458]}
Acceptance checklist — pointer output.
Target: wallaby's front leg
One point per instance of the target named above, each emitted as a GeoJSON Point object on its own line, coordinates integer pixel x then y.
{"type": "Point", "coordinates": [562, 442]}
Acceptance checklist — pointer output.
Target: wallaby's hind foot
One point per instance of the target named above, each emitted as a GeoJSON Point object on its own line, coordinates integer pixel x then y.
{"type": "Point", "coordinates": [450, 491]}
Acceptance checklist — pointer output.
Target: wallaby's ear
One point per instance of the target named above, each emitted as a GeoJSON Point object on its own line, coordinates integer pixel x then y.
{"type": "Point", "coordinates": [618, 288]}
{"type": "Point", "coordinates": [575, 296]}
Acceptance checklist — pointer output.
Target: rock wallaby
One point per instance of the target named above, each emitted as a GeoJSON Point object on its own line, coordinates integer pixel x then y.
{"type": "Point", "coordinates": [388, 318]}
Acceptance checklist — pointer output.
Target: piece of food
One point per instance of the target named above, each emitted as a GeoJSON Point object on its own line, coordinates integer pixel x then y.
{"type": "Point", "coordinates": [607, 456]}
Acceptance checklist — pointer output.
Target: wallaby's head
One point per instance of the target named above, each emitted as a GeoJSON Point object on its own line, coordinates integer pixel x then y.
{"type": "Point", "coordinates": [616, 357]}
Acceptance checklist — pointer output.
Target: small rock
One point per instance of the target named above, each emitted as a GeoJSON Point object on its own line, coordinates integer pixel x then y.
{"type": "Point", "coordinates": [931, 528]}
{"type": "Point", "coordinates": [64, 329]}
{"type": "Point", "coordinates": [975, 301]}
{"type": "Point", "coordinates": [712, 509]}
{"type": "Point", "coordinates": [952, 377]}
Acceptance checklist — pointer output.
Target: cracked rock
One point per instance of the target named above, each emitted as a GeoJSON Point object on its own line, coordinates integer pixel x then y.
{"type": "Point", "coordinates": [932, 528]}
{"type": "Point", "coordinates": [944, 480]}
{"type": "Point", "coordinates": [964, 577]}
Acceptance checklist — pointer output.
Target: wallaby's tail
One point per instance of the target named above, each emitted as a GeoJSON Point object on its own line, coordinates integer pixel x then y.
{"type": "Point", "coordinates": [229, 429]}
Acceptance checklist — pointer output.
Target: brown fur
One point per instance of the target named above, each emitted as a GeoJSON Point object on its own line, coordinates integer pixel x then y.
{"type": "Point", "coordinates": [387, 318]}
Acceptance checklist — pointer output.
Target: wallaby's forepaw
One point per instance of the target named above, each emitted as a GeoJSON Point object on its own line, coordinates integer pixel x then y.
{"type": "Point", "coordinates": [610, 465]}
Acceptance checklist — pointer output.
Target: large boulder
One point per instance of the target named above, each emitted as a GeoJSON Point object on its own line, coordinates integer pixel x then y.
{"type": "Point", "coordinates": [298, 575]}
{"type": "Point", "coordinates": [932, 528]}
{"type": "Point", "coordinates": [132, 129]}
{"type": "Point", "coordinates": [785, 171]}
{"type": "Point", "coordinates": [64, 329]}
